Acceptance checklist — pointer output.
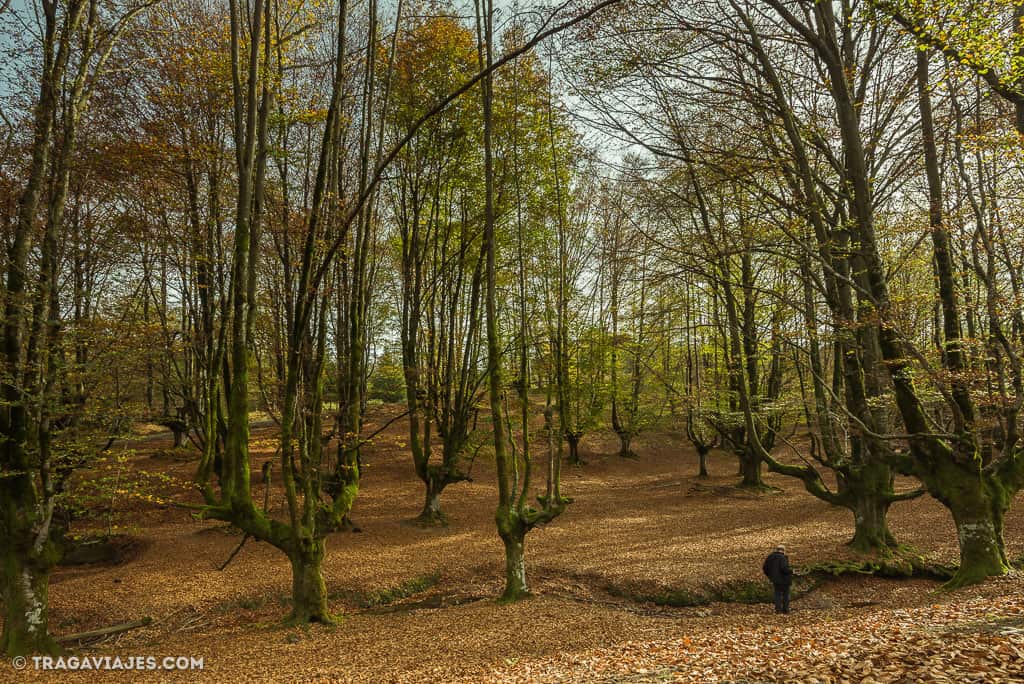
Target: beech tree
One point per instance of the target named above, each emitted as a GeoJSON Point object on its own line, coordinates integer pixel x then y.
{"type": "Point", "coordinates": [75, 43]}
{"type": "Point", "coordinates": [802, 187]}
{"type": "Point", "coordinates": [976, 483]}
{"type": "Point", "coordinates": [435, 205]}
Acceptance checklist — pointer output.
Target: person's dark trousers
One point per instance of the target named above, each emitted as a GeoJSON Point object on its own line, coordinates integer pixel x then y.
{"type": "Point", "coordinates": [781, 598]}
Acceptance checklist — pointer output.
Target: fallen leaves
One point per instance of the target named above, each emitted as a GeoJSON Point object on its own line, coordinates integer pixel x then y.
{"type": "Point", "coordinates": [977, 640]}
{"type": "Point", "coordinates": [634, 523]}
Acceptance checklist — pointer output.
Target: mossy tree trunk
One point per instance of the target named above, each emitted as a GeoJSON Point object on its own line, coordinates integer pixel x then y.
{"type": "Point", "coordinates": [432, 514]}
{"type": "Point", "coordinates": [750, 468]}
{"type": "Point", "coordinates": [867, 490]}
{"type": "Point", "coordinates": [309, 591]}
{"type": "Point", "coordinates": [978, 503]}
{"type": "Point", "coordinates": [26, 606]}
{"type": "Point", "coordinates": [982, 551]}
{"type": "Point", "coordinates": [871, 527]}
{"type": "Point", "coordinates": [513, 535]}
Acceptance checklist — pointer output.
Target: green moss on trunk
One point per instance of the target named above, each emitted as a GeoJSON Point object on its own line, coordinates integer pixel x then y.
{"type": "Point", "coordinates": [515, 565]}
{"type": "Point", "coordinates": [26, 609]}
{"type": "Point", "coordinates": [982, 554]}
{"type": "Point", "coordinates": [871, 528]}
{"type": "Point", "coordinates": [309, 591]}
{"type": "Point", "coordinates": [750, 469]}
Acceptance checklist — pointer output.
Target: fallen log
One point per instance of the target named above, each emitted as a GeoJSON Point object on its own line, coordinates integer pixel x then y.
{"type": "Point", "coordinates": [104, 632]}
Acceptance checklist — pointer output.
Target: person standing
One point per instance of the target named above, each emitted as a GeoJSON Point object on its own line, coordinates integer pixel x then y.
{"type": "Point", "coordinates": [776, 567]}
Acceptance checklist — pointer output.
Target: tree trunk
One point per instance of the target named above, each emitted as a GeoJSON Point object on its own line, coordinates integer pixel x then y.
{"type": "Point", "coordinates": [432, 513]}
{"type": "Point", "coordinates": [515, 565]}
{"type": "Point", "coordinates": [625, 441]}
{"type": "Point", "coordinates": [309, 592]}
{"type": "Point", "coordinates": [750, 468]}
{"type": "Point", "coordinates": [574, 449]}
{"type": "Point", "coordinates": [702, 457]}
{"type": "Point", "coordinates": [979, 529]}
{"type": "Point", "coordinates": [26, 608]}
{"type": "Point", "coordinates": [871, 527]}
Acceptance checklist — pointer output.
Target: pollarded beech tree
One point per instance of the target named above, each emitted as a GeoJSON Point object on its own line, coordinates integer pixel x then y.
{"type": "Point", "coordinates": [949, 462]}
{"type": "Point", "coordinates": [791, 168]}
{"type": "Point", "coordinates": [864, 465]}
{"type": "Point", "coordinates": [972, 471]}
{"type": "Point", "coordinates": [435, 205]}
{"type": "Point", "coordinates": [514, 516]}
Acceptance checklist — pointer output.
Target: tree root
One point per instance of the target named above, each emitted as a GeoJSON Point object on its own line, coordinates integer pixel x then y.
{"type": "Point", "coordinates": [727, 591]}
{"type": "Point", "coordinates": [901, 564]}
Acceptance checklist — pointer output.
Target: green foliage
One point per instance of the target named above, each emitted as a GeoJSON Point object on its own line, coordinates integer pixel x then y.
{"type": "Point", "coordinates": [110, 482]}
{"type": "Point", "coordinates": [387, 382]}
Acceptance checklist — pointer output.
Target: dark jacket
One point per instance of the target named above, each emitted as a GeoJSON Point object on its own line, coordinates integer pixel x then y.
{"type": "Point", "coordinates": [776, 567]}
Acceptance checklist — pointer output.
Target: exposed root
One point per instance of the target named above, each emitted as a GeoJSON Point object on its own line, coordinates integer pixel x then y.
{"type": "Point", "coordinates": [728, 591]}
{"type": "Point", "coordinates": [900, 563]}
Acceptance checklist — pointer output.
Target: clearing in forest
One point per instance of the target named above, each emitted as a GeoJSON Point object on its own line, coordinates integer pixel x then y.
{"type": "Point", "coordinates": [418, 604]}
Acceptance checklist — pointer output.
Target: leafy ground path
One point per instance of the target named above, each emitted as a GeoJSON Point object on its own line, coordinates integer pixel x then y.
{"type": "Point", "coordinates": [418, 605]}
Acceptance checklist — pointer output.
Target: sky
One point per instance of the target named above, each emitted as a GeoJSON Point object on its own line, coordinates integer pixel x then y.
{"type": "Point", "coordinates": [12, 26]}
{"type": "Point", "coordinates": [18, 26]}
{"type": "Point", "coordinates": [17, 21]}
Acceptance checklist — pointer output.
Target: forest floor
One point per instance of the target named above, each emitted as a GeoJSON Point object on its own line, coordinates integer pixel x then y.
{"type": "Point", "coordinates": [418, 605]}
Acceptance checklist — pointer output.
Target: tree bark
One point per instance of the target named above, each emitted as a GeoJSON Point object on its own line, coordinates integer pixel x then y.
{"type": "Point", "coordinates": [625, 444]}
{"type": "Point", "coordinates": [514, 539]}
{"type": "Point", "coordinates": [982, 553]}
{"type": "Point", "coordinates": [432, 514]}
{"type": "Point", "coordinates": [978, 506]}
{"type": "Point", "coordinates": [750, 468]}
{"type": "Point", "coordinates": [26, 607]}
{"type": "Point", "coordinates": [871, 528]}
{"type": "Point", "coordinates": [309, 592]}
{"type": "Point", "coordinates": [702, 457]}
